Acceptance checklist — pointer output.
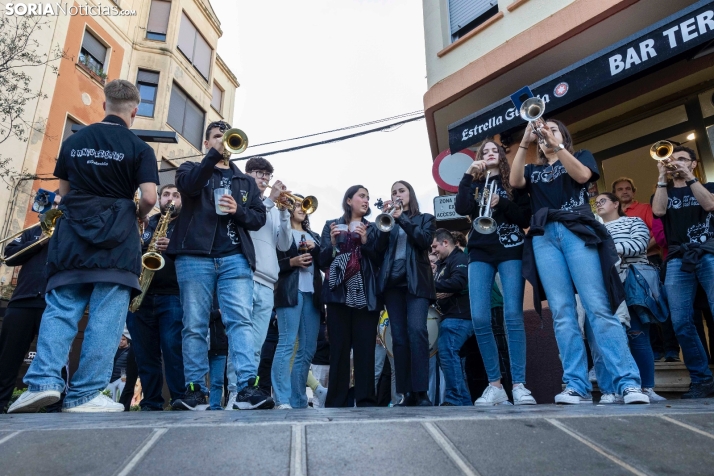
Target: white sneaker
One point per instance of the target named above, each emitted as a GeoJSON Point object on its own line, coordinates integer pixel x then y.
{"type": "Point", "coordinates": [634, 395]}
{"type": "Point", "coordinates": [572, 397]}
{"type": "Point", "coordinates": [522, 396]}
{"type": "Point", "coordinates": [591, 375]}
{"type": "Point", "coordinates": [284, 406]}
{"type": "Point", "coordinates": [231, 401]}
{"type": "Point", "coordinates": [492, 396]}
{"type": "Point", "coordinates": [653, 396]}
{"type": "Point", "coordinates": [32, 402]}
{"type": "Point", "coordinates": [99, 404]}
{"type": "Point", "coordinates": [610, 399]}
{"type": "Point", "coordinates": [321, 394]}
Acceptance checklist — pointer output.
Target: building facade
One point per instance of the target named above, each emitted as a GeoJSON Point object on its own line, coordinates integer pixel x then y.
{"type": "Point", "coordinates": [167, 48]}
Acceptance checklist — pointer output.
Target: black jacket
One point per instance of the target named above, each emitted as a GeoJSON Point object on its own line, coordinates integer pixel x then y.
{"type": "Point", "coordinates": [286, 289]}
{"type": "Point", "coordinates": [32, 280]}
{"type": "Point", "coordinates": [369, 266]}
{"type": "Point", "coordinates": [97, 236]}
{"type": "Point", "coordinates": [452, 276]}
{"type": "Point", "coordinates": [582, 223]}
{"type": "Point", "coordinates": [196, 225]}
{"type": "Point", "coordinates": [420, 234]}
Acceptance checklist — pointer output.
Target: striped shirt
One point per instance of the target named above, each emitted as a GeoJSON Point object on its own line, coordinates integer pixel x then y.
{"type": "Point", "coordinates": [631, 237]}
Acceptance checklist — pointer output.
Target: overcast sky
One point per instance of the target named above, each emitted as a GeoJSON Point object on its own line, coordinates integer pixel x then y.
{"type": "Point", "coordinates": [312, 66]}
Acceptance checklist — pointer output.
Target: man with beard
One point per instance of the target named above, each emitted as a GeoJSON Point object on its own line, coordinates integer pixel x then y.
{"type": "Point", "coordinates": [156, 326]}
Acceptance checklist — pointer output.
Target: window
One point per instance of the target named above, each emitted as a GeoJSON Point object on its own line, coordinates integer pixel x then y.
{"type": "Point", "coordinates": [68, 128]}
{"type": "Point", "coordinates": [217, 100]}
{"type": "Point", "coordinates": [93, 53]}
{"type": "Point", "coordinates": [167, 172]}
{"type": "Point", "coordinates": [465, 15]}
{"type": "Point", "coordinates": [158, 22]}
{"type": "Point", "coordinates": [186, 117]}
{"type": "Point", "coordinates": [194, 47]}
{"type": "Point", "coordinates": [148, 83]}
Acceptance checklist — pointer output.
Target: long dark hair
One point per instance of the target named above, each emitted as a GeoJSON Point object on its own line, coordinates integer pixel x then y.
{"type": "Point", "coordinates": [413, 207]}
{"type": "Point", "coordinates": [504, 169]}
{"type": "Point", "coordinates": [306, 222]}
{"type": "Point", "coordinates": [348, 195]}
{"type": "Point", "coordinates": [567, 140]}
{"type": "Point", "coordinates": [613, 198]}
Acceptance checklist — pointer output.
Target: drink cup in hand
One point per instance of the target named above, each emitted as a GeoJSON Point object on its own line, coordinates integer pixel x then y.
{"type": "Point", "coordinates": [217, 194]}
{"type": "Point", "coordinates": [342, 237]}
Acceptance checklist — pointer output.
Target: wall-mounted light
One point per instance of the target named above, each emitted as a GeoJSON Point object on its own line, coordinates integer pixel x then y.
{"type": "Point", "coordinates": [691, 136]}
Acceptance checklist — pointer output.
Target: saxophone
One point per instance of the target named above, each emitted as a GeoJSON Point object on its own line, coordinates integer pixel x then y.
{"type": "Point", "coordinates": [152, 261]}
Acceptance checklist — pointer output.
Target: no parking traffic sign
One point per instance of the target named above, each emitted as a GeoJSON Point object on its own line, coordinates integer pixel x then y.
{"type": "Point", "coordinates": [448, 168]}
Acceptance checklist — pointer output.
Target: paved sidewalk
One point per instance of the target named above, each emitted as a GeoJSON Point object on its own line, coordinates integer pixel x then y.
{"type": "Point", "coordinates": [675, 437]}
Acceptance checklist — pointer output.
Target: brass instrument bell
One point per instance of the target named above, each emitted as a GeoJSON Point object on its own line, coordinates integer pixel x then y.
{"type": "Point", "coordinates": [235, 141]}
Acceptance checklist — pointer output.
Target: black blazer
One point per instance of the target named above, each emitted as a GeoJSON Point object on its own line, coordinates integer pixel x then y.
{"type": "Point", "coordinates": [369, 265]}
{"type": "Point", "coordinates": [286, 289]}
{"type": "Point", "coordinates": [420, 234]}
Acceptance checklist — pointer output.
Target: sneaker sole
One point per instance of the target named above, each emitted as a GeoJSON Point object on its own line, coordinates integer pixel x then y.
{"type": "Point", "coordinates": [528, 402]}
{"type": "Point", "coordinates": [489, 404]}
{"type": "Point", "coordinates": [266, 404]}
{"type": "Point", "coordinates": [36, 403]}
{"type": "Point", "coordinates": [574, 401]}
{"type": "Point", "coordinates": [638, 400]}
{"type": "Point", "coordinates": [79, 409]}
{"type": "Point", "coordinates": [181, 406]}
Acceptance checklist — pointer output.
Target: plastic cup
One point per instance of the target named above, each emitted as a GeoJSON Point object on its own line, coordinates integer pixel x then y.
{"type": "Point", "coordinates": [217, 194]}
{"type": "Point", "coordinates": [342, 237]}
{"type": "Point", "coordinates": [353, 227]}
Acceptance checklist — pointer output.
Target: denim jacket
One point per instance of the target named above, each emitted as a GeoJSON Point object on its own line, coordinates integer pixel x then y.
{"type": "Point", "coordinates": [645, 295]}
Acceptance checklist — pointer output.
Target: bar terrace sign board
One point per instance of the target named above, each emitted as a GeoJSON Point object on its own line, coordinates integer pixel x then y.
{"type": "Point", "coordinates": [661, 42]}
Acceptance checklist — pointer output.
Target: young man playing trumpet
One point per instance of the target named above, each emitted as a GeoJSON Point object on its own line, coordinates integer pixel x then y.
{"type": "Point", "coordinates": [686, 207]}
{"type": "Point", "coordinates": [274, 234]}
{"type": "Point", "coordinates": [214, 252]}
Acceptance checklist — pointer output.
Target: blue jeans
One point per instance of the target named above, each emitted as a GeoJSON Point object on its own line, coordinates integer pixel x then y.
{"type": "Point", "coordinates": [410, 339]}
{"type": "Point", "coordinates": [198, 278]}
{"type": "Point", "coordinates": [262, 310]}
{"type": "Point", "coordinates": [301, 322]}
{"type": "Point", "coordinates": [108, 303]}
{"type": "Point", "coordinates": [481, 276]}
{"type": "Point", "coordinates": [452, 335]}
{"type": "Point", "coordinates": [156, 336]}
{"type": "Point", "coordinates": [681, 288]}
{"type": "Point", "coordinates": [217, 365]}
{"type": "Point", "coordinates": [563, 260]}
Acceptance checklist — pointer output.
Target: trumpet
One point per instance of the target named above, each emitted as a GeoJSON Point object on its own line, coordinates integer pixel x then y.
{"type": "Point", "coordinates": [531, 110]}
{"type": "Point", "coordinates": [289, 201]}
{"type": "Point", "coordinates": [48, 221]}
{"type": "Point", "coordinates": [235, 141]}
{"type": "Point", "coordinates": [662, 151]}
{"type": "Point", "coordinates": [484, 223]}
{"type": "Point", "coordinates": [385, 220]}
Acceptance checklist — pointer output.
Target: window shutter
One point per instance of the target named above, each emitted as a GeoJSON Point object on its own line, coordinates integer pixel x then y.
{"type": "Point", "coordinates": [149, 77]}
{"type": "Point", "coordinates": [217, 99]}
{"type": "Point", "coordinates": [94, 47]}
{"type": "Point", "coordinates": [177, 109]}
{"type": "Point", "coordinates": [202, 57]}
{"type": "Point", "coordinates": [463, 12]}
{"type": "Point", "coordinates": [187, 37]}
{"type": "Point", "coordinates": [159, 16]}
{"type": "Point", "coordinates": [68, 128]}
{"type": "Point", "coordinates": [193, 124]}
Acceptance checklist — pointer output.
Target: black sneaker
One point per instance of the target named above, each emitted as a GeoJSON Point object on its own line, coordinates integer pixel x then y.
{"type": "Point", "coordinates": [447, 404]}
{"type": "Point", "coordinates": [191, 400]}
{"type": "Point", "coordinates": [699, 390]}
{"type": "Point", "coordinates": [253, 397]}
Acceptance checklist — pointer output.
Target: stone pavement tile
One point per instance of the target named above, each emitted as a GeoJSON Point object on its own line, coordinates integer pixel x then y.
{"type": "Point", "coordinates": [373, 448]}
{"type": "Point", "coordinates": [70, 452]}
{"type": "Point", "coordinates": [219, 450]}
{"type": "Point", "coordinates": [702, 421]}
{"type": "Point", "coordinates": [524, 446]}
{"type": "Point", "coordinates": [651, 443]}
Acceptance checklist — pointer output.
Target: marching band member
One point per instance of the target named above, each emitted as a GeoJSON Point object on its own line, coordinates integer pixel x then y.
{"type": "Point", "coordinates": [213, 250]}
{"type": "Point", "coordinates": [685, 206]}
{"type": "Point", "coordinates": [569, 247]}
{"type": "Point", "coordinates": [274, 234]}
{"type": "Point", "coordinates": [406, 283]}
{"type": "Point", "coordinates": [94, 255]}
{"type": "Point", "coordinates": [452, 293]}
{"type": "Point", "coordinates": [351, 263]}
{"type": "Point", "coordinates": [297, 302]}
{"type": "Point", "coordinates": [156, 326]}
{"type": "Point", "coordinates": [23, 315]}
{"type": "Point", "coordinates": [500, 251]}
